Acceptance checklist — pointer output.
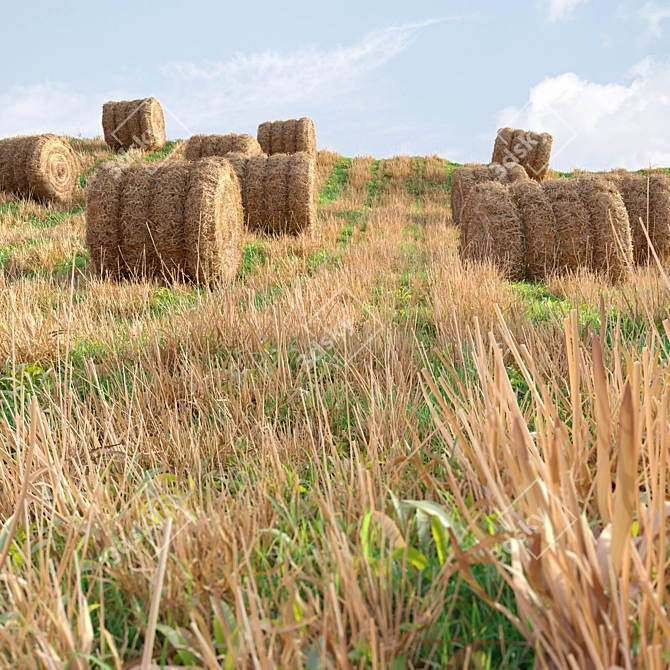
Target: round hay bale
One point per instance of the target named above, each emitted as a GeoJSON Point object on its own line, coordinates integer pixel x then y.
{"type": "Point", "coordinates": [573, 228]}
{"type": "Point", "coordinates": [136, 124]}
{"type": "Point", "coordinates": [529, 149]}
{"type": "Point", "coordinates": [167, 214]}
{"type": "Point", "coordinates": [610, 227]}
{"type": "Point", "coordinates": [213, 222]}
{"type": "Point", "coordinates": [103, 220]}
{"type": "Point", "coordinates": [302, 194]}
{"type": "Point", "coordinates": [539, 228]}
{"type": "Point", "coordinates": [280, 193]}
{"type": "Point", "coordinates": [495, 231]}
{"type": "Point", "coordinates": [138, 248]}
{"type": "Point", "coordinates": [44, 167]}
{"type": "Point", "coordinates": [287, 137]}
{"type": "Point", "coordinates": [203, 146]}
{"type": "Point", "coordinates": [647, 197]}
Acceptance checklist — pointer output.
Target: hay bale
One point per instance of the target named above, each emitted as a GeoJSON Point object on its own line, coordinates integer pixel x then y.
{"type": "Point", "coordinates": [103, 221]}
{"type": "Point", "coordinates": [609, 224]}
{"type": "Point", "coordinates": [138, 249]}
{"type": "Point", "coordinates": [203, 146]}
{"type": "Point", "coordinates": [287, 137]}
{"type": "Point", "coordinates": [138, 124]}
{"type": "Point", "coordinates": [182, 220]}
{"type": "Point", "coordinates": [44, 167]}
{"type": "Point", "coordinates": [647, 197]}
{"type": "Point", "coordinates": [573, 226]}
{"type": "Point", "coordinates": [539, 228]}
{"type": "Point", "coordinates": [495, 231]}
{"type": "Point", "coordinates": [526, 148]}
{"type": "Point", "coordinates": [464, 178]}
{"type": "Point", "coordinates": [280, 193]}
{"type": "Point", "coordinates": [213, 222]}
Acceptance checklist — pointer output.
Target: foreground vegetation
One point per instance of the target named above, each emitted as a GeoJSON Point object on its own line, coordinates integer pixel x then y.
{"type": "Point", "coordinates": [321, 466]}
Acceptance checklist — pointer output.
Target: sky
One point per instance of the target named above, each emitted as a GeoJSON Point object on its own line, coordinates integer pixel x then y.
{"type": "Point", "coordinates": [377, 77]}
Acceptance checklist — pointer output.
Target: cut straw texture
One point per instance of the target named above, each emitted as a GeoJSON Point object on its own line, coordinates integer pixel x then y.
{"type": "Point", "coordinates": [494, 228]}
{"type": "Point", "coordinates": [464, 178]}
{"type": "Point", "coordinates": [279, 192]}
{"type": "Point", "coordinates": [135, 124]}
{"type": "Point", "coordinates": [530, 150]}
{"type": "Point", "coordinates": [287, 137]}
{"type": "Point", "coordinates": [44, 167]}
{"type": "Point", "coordinates": [646, 197]}
{"type": "Point", "coordinates": [203, 146]}
{"type": "Point", "coordinates": [181, 221]}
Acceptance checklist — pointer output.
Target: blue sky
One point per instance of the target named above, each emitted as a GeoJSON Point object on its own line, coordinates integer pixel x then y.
{"type": "Point", "coordinates": [377, 77]}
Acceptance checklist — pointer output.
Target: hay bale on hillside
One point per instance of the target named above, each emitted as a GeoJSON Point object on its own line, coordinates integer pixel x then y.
{"type": "Point", "coordinates": [529, 149]}
{"type": "Point", "coordinates": [647, 197]}
{"type": "Point", "coordinates": [44, 167]}
{"type": "Point", "coordinates": [138, 124]}
{"type": "Point", "coordinates": [280, 193]}
{"type": "Point", "coordinates": [539, 228]}
{"type": "Point", "coordinates": [287, 137]}
{"type": "Point", "coordinates": [610, 227]}
{"type": "Point", "coordinates": [464, 178]}
{"type": "Point", "coordinates": [573, 228]}
{"type": "Point", "coordinates": [103, 221]}
{"type": "Point", "coordinates": [203, 146]}
{"type": "Point", "coordinates": [183, 220]}
{"type": "Point", "coordinates": [495, 231]}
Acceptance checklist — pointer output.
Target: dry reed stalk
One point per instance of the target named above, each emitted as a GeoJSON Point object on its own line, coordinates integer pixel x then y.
{"type": "Point", "coordinates": [138, 124]}
{"type": "Point", "coordinates": [44, 167]}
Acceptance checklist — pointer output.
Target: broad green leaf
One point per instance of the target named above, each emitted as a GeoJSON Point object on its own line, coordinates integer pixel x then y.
{"type": "Point", "coordinates": [414, 557]}
{"type": "Point", "coordinates": [440, 537]}
{"type": "Point", "coordinates": [365, 534]}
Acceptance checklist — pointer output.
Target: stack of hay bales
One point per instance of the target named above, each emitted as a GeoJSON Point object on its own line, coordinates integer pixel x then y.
{"type": "Point", "coordinates": [464, 178]}
{"type": "Point", "coordinates": [203, 146]}
{"type": "Point", "coordinates": [287, 137]}
{"type": "Point", "coordinates": [647, 198]}
{"type": "Point", "coordinates": [44, 167]}
{"type": "Point", "coordinates": [530, 150]}
{"type": "Point", "coordinates": [530, 230]}
{"type": "Point", "coordinates": [181, 221]}
{"type": "Point", "coordinates": [138, 124]}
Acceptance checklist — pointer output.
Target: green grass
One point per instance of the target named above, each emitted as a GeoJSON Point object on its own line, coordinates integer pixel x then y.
{"type": "Point", "coordinates": [336, 182]}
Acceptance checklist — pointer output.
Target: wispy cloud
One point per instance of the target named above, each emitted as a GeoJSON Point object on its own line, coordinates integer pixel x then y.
{"type": "Point", "coordinates": [271, 79]}
{"type": "Point", "coordinates": [561, 9]}
{"type": "Point", "coordinates": [654, 14]}
{"type": "Point", "coordinates": [607, 125]}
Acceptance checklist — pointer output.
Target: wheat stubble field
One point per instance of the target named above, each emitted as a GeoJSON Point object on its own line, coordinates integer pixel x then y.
{"type": "Point", "coordinates": [308, 468]}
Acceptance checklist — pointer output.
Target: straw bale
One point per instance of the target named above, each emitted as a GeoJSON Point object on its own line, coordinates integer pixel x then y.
{"type": "Point", "coordinates": [302, 193]}
{"type": "Point", "coordinates": [647, 197]}
{"type": "Point", "coordinates": [203, 146]}
{"type": "Point", "coordinates": [103, 220]}
{"type": "Point", "coordinates": [495, 231]}
{"type": "Point", "coordinates": [44, 167]}
{"type": "Point", "coordinates": [276, 194]}
{"type": "Point", "coordinates": [134, 123]}
{"type": "Point", "coordinates": [573, 226]}
{"type": "Point", "coordinates": [172, 181]}
{"type": "Point", "coordinates": [529, 149]}
{"type": "Point", "coordinates": [213, 222]}
{"type": "Point", "coordinates": [287, 137]}
{"type": "Point", "coordinates": [610, 227]}
{"type": "Point", "coordinates": [138, 249]}
{"type": "Point", "coordinates": [539, 228]}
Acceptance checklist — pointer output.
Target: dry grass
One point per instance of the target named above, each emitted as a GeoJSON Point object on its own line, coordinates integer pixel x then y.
{"type": "Point", "coordinates": [279, 432]}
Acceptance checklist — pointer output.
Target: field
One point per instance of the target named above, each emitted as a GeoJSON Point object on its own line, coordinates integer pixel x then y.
{"type": "Point", "coordinates": [309, 468]}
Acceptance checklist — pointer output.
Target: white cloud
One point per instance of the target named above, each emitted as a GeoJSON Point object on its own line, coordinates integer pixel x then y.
{"type": "Point", "coordinates": [601, 126]}
{"type": "Point", "coordinates": [48, 107]}
{"type": "Point", "coordinates": [269, 79]}
{"type": "Point", "coordinates": [654, 14]}
{"type": "Point", "coordinates": [560, 9]}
